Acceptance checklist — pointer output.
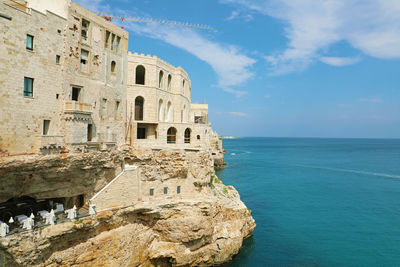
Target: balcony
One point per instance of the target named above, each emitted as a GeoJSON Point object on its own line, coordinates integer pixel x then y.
{"type": "Point", "coordinates": [76, 107]}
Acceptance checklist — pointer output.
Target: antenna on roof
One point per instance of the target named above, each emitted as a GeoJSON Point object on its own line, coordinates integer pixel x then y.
{"type": "Point", "coordinates": [110, 17]}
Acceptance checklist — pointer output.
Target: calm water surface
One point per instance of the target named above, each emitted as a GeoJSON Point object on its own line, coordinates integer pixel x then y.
{"type": "Point", "coordinates": [318, 202]}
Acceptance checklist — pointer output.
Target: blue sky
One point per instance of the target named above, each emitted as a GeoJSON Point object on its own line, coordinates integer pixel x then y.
{"type": "Point", "coordinates": [291, 68]}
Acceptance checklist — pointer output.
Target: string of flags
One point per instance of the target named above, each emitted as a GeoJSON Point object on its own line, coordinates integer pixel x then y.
{"type": "Point", "coordinates": [108, 17]}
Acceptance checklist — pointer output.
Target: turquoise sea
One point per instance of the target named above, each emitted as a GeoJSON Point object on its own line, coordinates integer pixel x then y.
{"type": "Point", "coordinates": [318, 202]}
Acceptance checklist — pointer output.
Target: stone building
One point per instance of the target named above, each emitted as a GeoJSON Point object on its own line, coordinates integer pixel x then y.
{"type": "Point", "coordinates": [159, 111]}
{"type": "Point", "coordinates": [62, 77]}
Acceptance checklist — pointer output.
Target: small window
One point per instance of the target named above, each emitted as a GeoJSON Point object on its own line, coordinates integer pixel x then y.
{"type": "Point", "coordinates": [112, 41]}
{"type": "Point", "coordinates": [84, 59]}
{"type": "Point", "coordinates": [140, 74]}
{"type": "Point", "coordinates": [59, 31]}
{"type": "Point", "coordinates": [46, 126]}
{"type": "Point", "coordinates": [57, 96]}
{"type": "Point", "coordinates": [198, 137]}
{"type": "Point", "coordinates": [107, 39]}
{"type": "Point", "coordinates": [113, 64]}
{"type": "Point", "coordinates": [165, 190]}
{"type": "Point", "coordinates": [28, 87]}
{"type": "Point", "coordinates": [29, 42]}
{"type": "Point", "coordinates": [57, 59]}
{"type": "Point", "coordinates": [89, 132]}
{"type": "Point", "coordinates": [178, 189]}
{"type": "Point", "coordinates": [76, 93]}
{"type": "Point", "coordinates": [141, 133]}
{"type": "Point", "coordinates": [85, 30]}
{"type": "Point", "coordinates": [103, 109]}
{"type": "Point", "coordinates": [151, 191]}
{"type": "Point", "coordinates": [169, 82]}
{"type": "Point", "coordinates": [171, 136]}
{"type": "Point", "coordinates": [117, 104]}
{"type": "Point", "coordinates": [187, 136]}
{"type": "Point", "coordinates": [161, 79]}
{"type": "Point", "coordinates": [118, 42]}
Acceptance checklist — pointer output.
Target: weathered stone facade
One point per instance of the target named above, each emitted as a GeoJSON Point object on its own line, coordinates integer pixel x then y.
{"type": "Point", "coordinates": [75, 67]}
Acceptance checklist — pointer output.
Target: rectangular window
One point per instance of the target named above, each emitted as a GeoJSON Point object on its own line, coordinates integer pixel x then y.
{"type": "Point", "coordinates": [29, 42]}
{"type": "Point", "coordinates": [107, 39]}
{"type": "Point", "coordinates": [141, 133]}
{"type": "Point", "coordinates": [151, 192]}
{"type": "Point", "coordinates": [112, 41]}
{"type": "Point", "coordinates": [165, 190]}
{"type": "Point", "coordinates": [118, 42]}
{"type": "Point", "coordinates": [28, 87]}
{"type": "Point", "coordinates": [178, 189]}
{"type": "Point", "coordinates": [90, 132]}
{"type": "Point", "coordinates": [76, 94]}
{"type": "Point", "coordinates": [46, 126]}
{"type": "Point", "coordinates": [85, 30]}
{"type": "Point", "coordinates": [57, 59]}
{"type": "Point", "coordinates": [103, 108]}
{"type": "Point", "coordinates": [117, 103]}
{"type": "Point", "coordinates": [84, 59]}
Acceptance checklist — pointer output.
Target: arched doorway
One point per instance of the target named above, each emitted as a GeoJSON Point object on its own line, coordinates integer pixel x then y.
{"type": "Point", "coordinates": [187, 135]}
{"type": "Point", "coordinates": [171, 136]}
{"type": "Point", "coordinates": [139, 112]}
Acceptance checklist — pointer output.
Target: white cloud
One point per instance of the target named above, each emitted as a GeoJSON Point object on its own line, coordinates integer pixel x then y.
{"type": "Point", "coordinates": [237, 15]}
{"type": "Point", "coordinates": [339, 61]}
{"type": "Point", "coordinates": [237, 114]}
{"type": "Point", "coordinates": [371, 26]}
{"type": "Point", "coordinates": [371, 100]}
{"type": "Point", "coordinates": [233, 15]}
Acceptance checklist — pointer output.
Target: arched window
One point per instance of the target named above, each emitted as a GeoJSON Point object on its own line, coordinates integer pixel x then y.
{"type": "Point", "coordinates": [183, 86]}
{"type": "Point", "coordinates": [187, 136]}
{"type": "Point", "coordinates": [113, 65]}
{"type": "Point", "coordinates": [169, 112]}
{"type": "Point", "coordinates": [160, 110]}
{"type": "Point", "coordinates": [169, 82]}
{"type": "Point", "coordinates": [139, 102]}
{"type": "Point", "coordinates": [198, 137]}
{"type": "Point", "coordinates": [161, 79]}
{"type": "Point", "coordinates": [140, 74]}
{"type": "Point", "coordinates": [171, 136]}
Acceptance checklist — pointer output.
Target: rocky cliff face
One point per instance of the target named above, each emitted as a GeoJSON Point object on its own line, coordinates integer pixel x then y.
{"type": "Point", "coordinates": [166, 233]}
{"type": "Point", "coordinates": [204, 225]}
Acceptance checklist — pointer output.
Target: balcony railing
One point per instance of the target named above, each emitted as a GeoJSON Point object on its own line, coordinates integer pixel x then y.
{"type": "Point", "coordinates": [76, 107]}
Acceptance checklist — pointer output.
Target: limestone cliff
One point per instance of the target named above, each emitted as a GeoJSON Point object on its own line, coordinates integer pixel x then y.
{"type": "Point", "coordinates": [204, 224]}
{"type": "Point", "coordinates": [166, 233]}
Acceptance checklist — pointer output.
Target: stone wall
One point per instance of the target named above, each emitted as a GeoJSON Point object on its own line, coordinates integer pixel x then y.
{"type": "Point", "coordinates": [55, 65]}
{"type": "Point", "coordinates": [21, 117]}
